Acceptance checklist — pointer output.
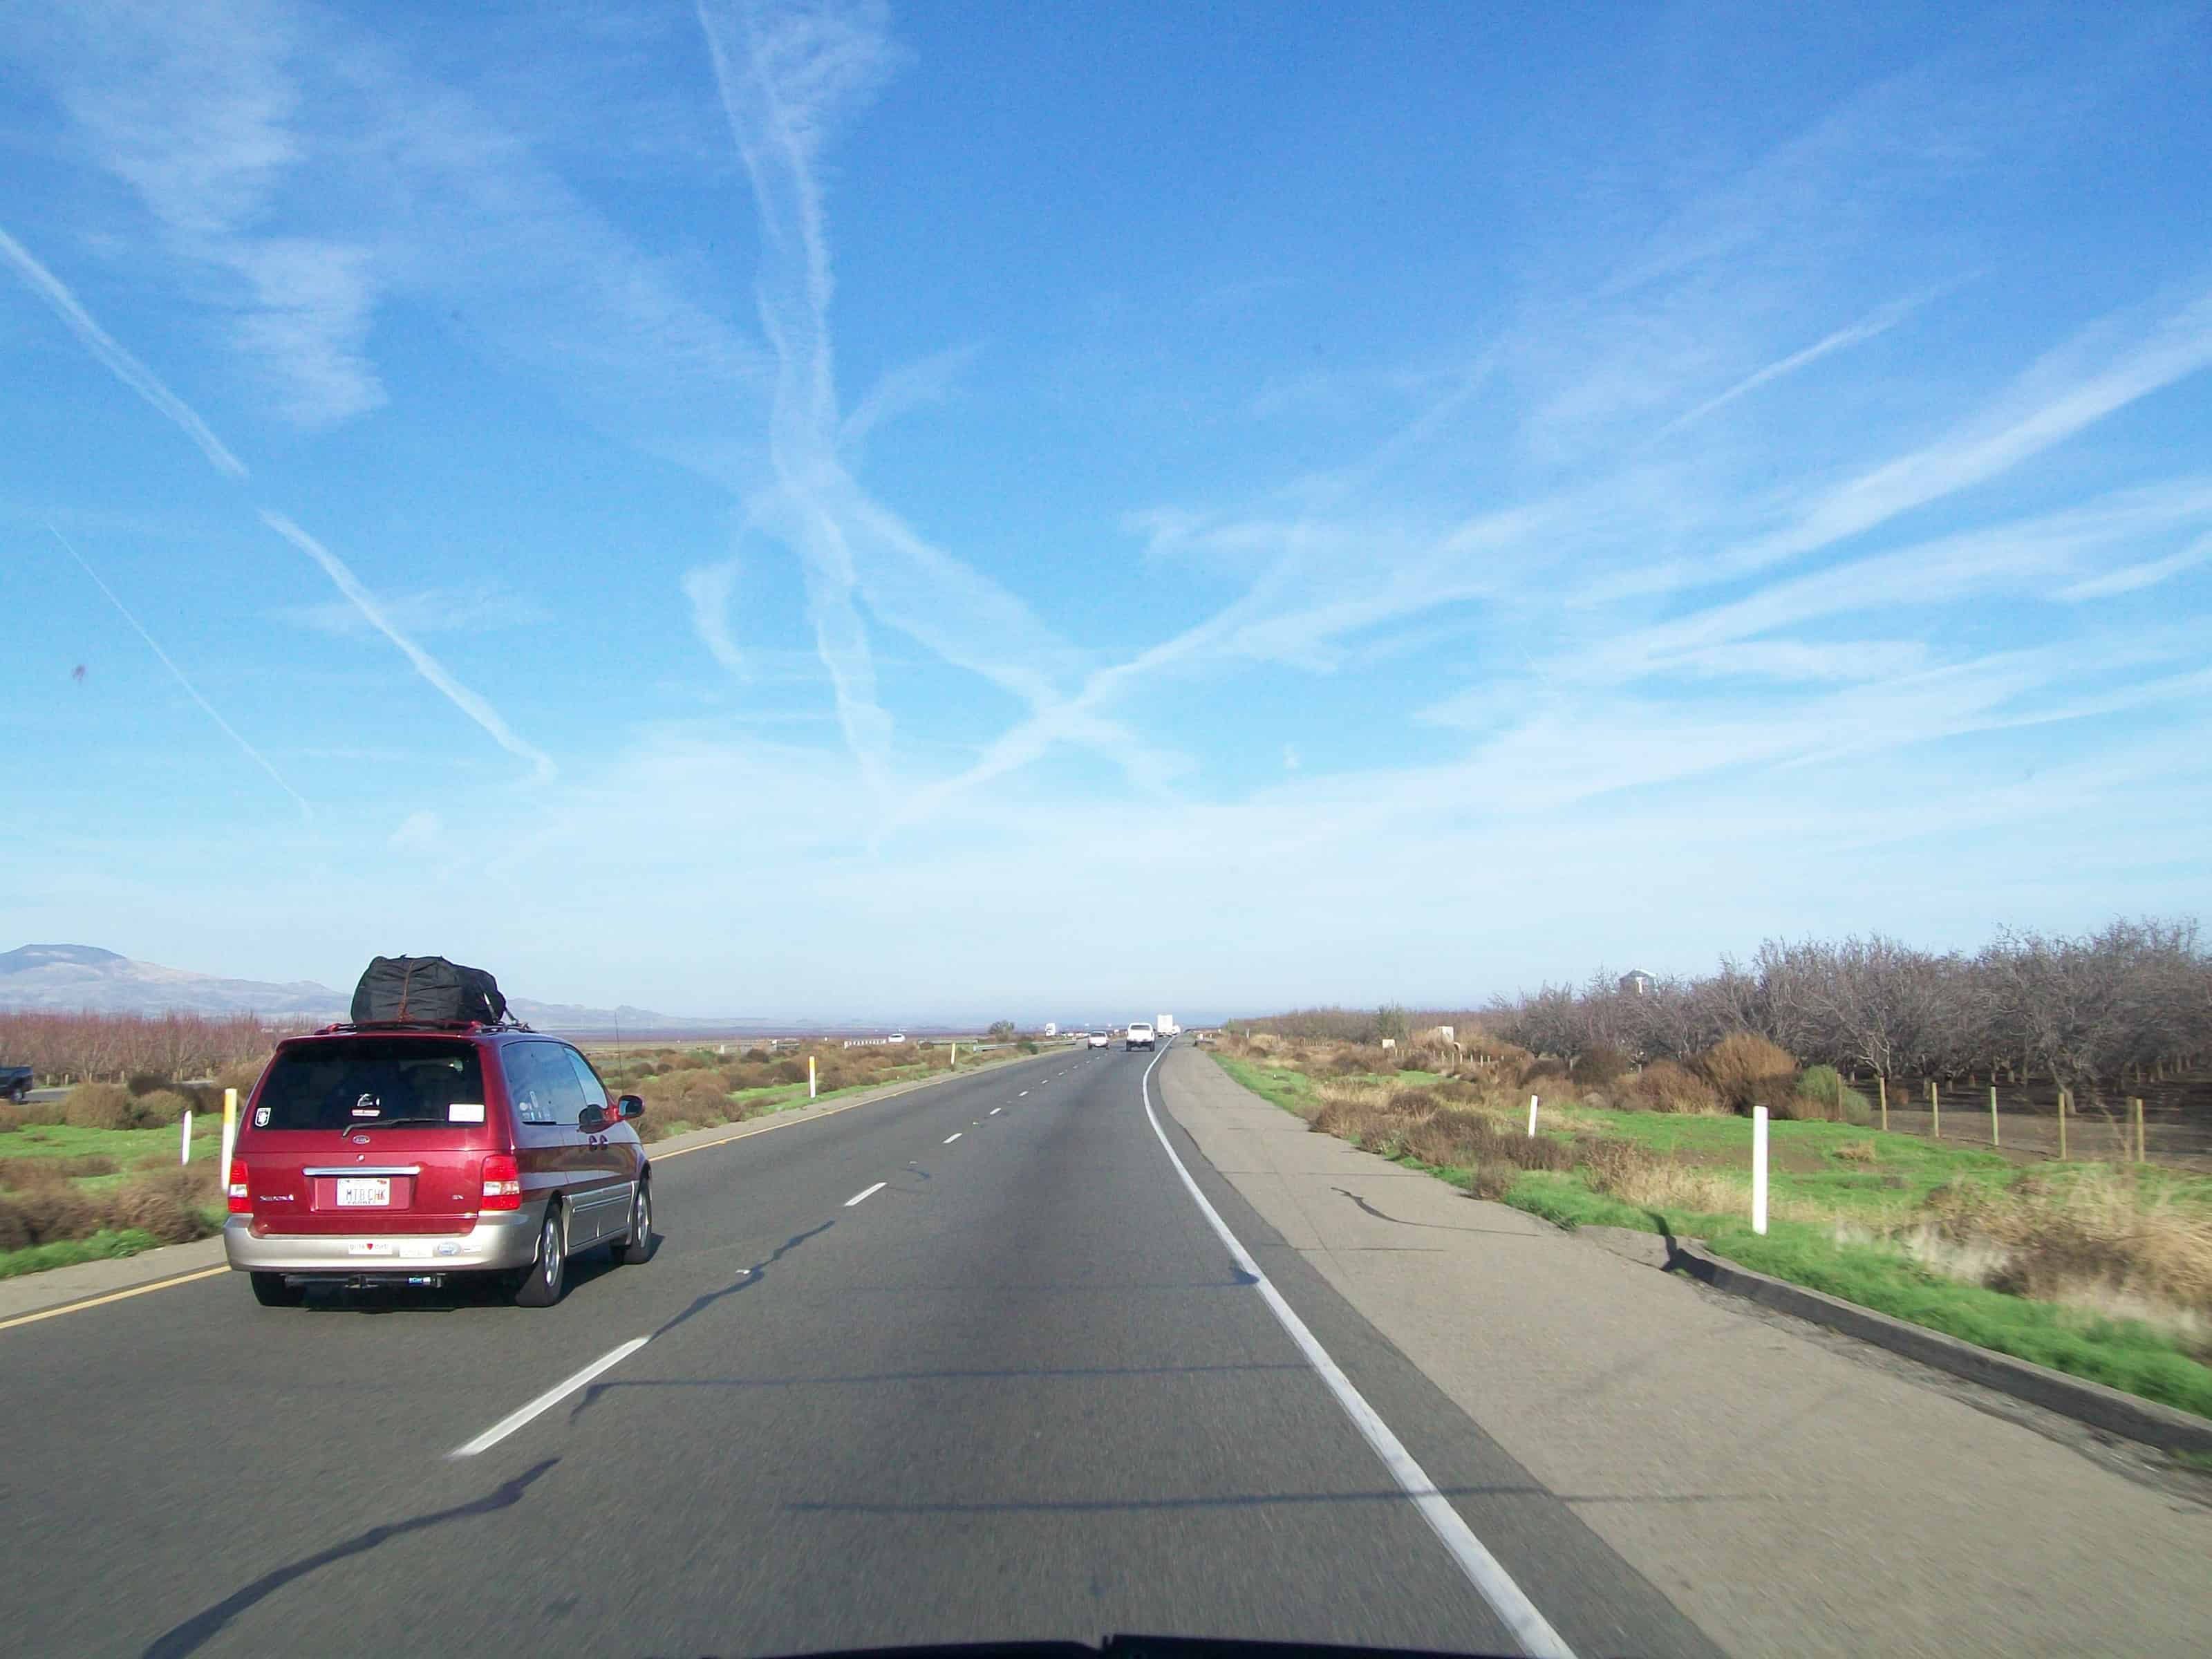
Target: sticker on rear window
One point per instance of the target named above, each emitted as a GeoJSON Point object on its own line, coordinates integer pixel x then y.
{"type": "Point", "coordinates": [369, 1111]}
{"type": "Point", "coordinates": [462, 1111]}
{"type": "Point", "coordinates": [260, 1117]}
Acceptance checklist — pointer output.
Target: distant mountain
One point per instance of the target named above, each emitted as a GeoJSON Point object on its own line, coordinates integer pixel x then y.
{"type": "Point", "coordinates": [70, 978]}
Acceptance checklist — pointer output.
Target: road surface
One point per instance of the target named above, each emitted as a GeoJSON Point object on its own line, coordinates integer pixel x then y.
{"type": "Point", "coordinates": [969, 1363]}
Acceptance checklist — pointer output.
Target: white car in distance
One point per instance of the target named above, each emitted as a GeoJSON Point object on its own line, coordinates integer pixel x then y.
{"type": "Point", "coordinates": [1140, 1036]}
{"type": "Point", "coordinates": [1100, 1040]}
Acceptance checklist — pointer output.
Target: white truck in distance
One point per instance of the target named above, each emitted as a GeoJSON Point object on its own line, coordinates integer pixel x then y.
{"type": "Point", "coordinates": [1165, 1025]}
{"type": "Point", "coordinates": [1140, 1036]}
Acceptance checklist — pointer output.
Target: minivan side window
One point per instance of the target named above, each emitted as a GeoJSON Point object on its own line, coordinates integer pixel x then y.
{"type": "Point", "coordinates": [595, 1092]}
{"type": "Point", "coordinates": [541, 1082]}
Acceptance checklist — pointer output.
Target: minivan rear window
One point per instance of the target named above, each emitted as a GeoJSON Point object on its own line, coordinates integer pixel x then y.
{"type": "Point", "coordinates": [363, 1081]}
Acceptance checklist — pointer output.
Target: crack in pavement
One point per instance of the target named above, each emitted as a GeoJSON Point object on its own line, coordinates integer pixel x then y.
{"type": "Point", "coordinates": [193, 1632]}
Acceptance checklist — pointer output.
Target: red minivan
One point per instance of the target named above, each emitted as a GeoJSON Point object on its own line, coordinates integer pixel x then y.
{"type": "Point", "coordinates": [376, 1155]}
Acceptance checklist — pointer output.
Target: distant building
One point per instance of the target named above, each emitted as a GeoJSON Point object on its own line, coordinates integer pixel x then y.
{"type": "Point", "coordinates": [1637, 983]}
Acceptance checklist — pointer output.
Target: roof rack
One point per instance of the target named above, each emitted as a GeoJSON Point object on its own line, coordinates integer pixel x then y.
{"type": "Point", "coordinates": [456, 1026]}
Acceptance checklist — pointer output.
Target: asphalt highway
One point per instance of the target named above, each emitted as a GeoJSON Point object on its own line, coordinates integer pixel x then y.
{"type": "Point", "coordinates": [969, 1363]}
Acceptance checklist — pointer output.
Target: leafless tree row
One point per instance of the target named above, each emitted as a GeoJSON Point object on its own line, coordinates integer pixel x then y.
{"type": "Point", "coordinates": [75, 1046]}
{"type": "Point", "coordinates": [2089, 1013]}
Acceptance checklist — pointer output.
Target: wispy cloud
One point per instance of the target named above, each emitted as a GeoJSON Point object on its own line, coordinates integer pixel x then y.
{"type": "Point", "coordinates": [191, 690]}
{"type": "Point", "coordinates": [1870, 327]}
{"type": "Point", "coordinates": [425, 665]}
{"type": "Point", "coordinates": [710, 587]}
{"type": "Point", "coordinates": [432, 610]}
{"type": "Point", "coordinates": [197, 111]}
{"type": "Point", "coordinates": [120, 363]}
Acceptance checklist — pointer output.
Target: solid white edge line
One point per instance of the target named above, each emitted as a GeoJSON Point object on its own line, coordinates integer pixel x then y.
{"type": "Point", "coordinates": [1491, 1582]}
{"type": "Point", "coordinates": [552, 1396]}
{"type": "Point", "coordinates": [870, 1193]}
{"type": "Point", "coordinates": [954, 1136]}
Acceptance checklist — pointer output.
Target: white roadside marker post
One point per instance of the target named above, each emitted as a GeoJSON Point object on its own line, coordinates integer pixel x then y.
{"type": "Point", "coordinates": [185, 1152]}
{"type": "Point", "coordinates": [1758, 1169]}
{"type": "Point", "coordinates": [810, 1077]}
{"type": "Point", "coordinates": [229, 1129]}
{"type": "Point", "coordinates": [1532, 1117]}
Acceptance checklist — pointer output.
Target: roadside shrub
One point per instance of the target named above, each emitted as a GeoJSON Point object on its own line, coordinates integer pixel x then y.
{"type": "Point", "coordinates": [242, 1075]}
{"type": "Point", "coordinates": [1666, 1086]}
{"type": "Point", "coordinates": [8, 1124]}
{"type": "Point", "coordinates": [37, 1114]}
{"type": "Point", "coordinates": [13, 1234]}
{"type": "Point", "coordinates": [1601, 1064]}
{"type": "Point", "coordinates": [1412, 1100]}
{"type": "Point", "coordinates": [791, 1071]}
{"type": "Point", "coordinates": [1838, 1104]}
{"type": "Point", "coordinates": [1779, 1094]}
{"type": "Point", "coordinates": [755, 1054]}
{"type": "Point", "coordinates": [162, 1107]}
{"type": "Point", "coordinates": [1537, 1070]}
{"type": "Point", "coordinates": [172, 1205]}
{"type": "Point", "coordinates": [1735, 1065]}
{"type": "Point", "coordinates": [25, 1173]}
{"type": "Point", "coordinates": [99, 1106]}
{"type": "Point", "coordinates": [45, 1214]}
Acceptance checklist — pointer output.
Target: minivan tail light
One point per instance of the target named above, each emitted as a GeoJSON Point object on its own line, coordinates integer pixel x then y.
{"type": "Point", "coordinates": [239, 1203]}
{"type": "Point", "coordinates": [502, 1182]}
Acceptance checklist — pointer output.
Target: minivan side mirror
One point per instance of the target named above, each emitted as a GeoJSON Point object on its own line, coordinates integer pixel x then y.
{"type": "Point", "coordinates": [631, 1106]}
{"type": "Point", "coordinates": [591, 1119]}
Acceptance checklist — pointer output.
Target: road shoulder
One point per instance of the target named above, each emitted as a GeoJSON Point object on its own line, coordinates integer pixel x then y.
{"type": "Point", "coordinates": [1785, 1496]}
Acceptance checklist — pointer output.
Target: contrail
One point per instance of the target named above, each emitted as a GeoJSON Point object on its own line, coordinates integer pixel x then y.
{"type": "Point", "coordinates": [229, 731]}
{"type": "Point", "coordinates": [124, 367]}
{"type": "Point", "coordinates": [425, 665]}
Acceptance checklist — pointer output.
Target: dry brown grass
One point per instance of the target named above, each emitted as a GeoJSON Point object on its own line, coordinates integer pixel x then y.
{"type": "Point", "coordinates": [173, 1205]}
{"type": "Point", "coordinates": [1637, 1176]}
{"type": "Point", "coordinates": [2097, 1235]}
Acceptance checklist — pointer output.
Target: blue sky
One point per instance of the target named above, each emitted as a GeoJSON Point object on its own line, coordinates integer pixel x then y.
{"type": "Point", "coordinates": [924, 512]}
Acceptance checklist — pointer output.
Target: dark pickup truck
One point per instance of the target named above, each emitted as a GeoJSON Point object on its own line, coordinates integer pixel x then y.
{"type": "Point", "coordinates": [15, 1081]}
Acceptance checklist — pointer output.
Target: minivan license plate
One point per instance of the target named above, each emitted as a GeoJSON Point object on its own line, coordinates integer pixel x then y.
{"type": "Point", "coordinates": [360, 1190]}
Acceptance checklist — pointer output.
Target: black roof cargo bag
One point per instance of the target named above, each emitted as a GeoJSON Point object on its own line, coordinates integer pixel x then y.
{"type": "Point", "coordinates": [428, 991]}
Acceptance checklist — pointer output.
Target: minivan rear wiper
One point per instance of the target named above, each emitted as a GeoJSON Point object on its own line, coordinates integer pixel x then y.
{"type": "Point", "coordinates": [391, 1123]}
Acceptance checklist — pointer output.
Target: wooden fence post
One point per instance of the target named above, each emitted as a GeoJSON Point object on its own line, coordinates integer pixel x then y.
{"type": "Point", "coordinates": [1993, 1114]}
{"type": "Point", "coordinates": [1935, 1111]}
{"type": "Point", "coordinates": [2137, 1104]}
{"type": "Point", "coordinates": [2061, 1126]}
{"type": "Point", "coordinates": [1882, 1091]}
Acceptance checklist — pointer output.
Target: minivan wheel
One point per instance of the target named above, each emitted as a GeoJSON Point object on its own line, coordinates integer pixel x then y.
{"type": "Point", "coordinates": [637, 1250]}
{"type": "Point", "coordinates": [542, 1285]}
{"type": "Point", "coordinates": [270, 1290]}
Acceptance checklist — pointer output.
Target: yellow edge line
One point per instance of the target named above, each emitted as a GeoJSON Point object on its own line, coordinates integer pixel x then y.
{"type": "Point", "coordinates": [704, 1146]}
{"type": "Point", "coordinates": [113, 1296]}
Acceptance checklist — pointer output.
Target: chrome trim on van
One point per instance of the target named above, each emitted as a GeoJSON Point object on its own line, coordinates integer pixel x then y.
{"type": "Point", "coordinates": [362, 1170]}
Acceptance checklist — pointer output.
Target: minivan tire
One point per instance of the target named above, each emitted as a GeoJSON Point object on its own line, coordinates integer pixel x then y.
{"type": "Point", "coordinates": [637, 1250]}
{"type": "Point", "coordinates": [547, 1277]}
{"type": "Point", "coordinates": [270, 1290]}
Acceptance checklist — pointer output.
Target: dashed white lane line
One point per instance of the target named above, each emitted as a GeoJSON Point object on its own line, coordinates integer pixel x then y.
{"type": "Point", "coordinates": [954, 1136]}
{"type": "Point", "coordinates": [870, 1193]}
{"type": "Point", "coordinates": [552, 1396]}
{"type": "Point", "coordinates": [995, 1110]}
{"type": "Point", "coordinates": [1024, 1095]}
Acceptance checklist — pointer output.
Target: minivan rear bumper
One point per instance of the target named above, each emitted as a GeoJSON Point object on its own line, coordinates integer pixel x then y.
{"type": "Point", "coordinates": [506, 1240]}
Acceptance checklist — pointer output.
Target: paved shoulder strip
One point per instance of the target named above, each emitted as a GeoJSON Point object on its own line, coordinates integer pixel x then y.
{"type": "Point", "coordinates": [1483, 1570]}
